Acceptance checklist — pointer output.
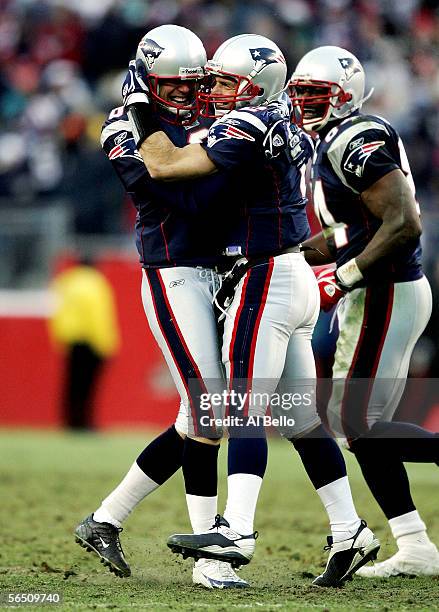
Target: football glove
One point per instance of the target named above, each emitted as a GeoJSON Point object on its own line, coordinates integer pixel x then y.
{"type": "Point", "coordinates": [136, 101]}
{"type": "Point", "coordinates": [224, 296]}
{"type": "Point", "coordinates": [330, 290]}
{"type": "Point", "coordinates": [134, 87]}
{"type": "Point", "coordinates": [301, 146]}
{"type": "Point", "coordinates": [282, 105]}
{"type": "Point", "coordinates": [276, 138]}
{"type": "Point", "coordinates": [283, 136]}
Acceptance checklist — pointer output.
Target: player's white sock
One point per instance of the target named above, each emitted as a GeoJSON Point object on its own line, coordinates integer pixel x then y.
{"type": "Point", "coordinates": [337, 499]}
{"type": "Point", "coordinates": [121, 502]}
{"type": "Point", "coordinates": [409, 529]}
{"type": "Point", "coordinates": [202, 511]}
{"type": "Point", "coordinates": [242, 497]}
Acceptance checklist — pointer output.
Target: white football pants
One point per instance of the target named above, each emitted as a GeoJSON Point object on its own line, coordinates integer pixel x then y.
{"type": "Point", "coordinates": [379, 327]}
{"type": "Point", "coordinates": [266, 340]}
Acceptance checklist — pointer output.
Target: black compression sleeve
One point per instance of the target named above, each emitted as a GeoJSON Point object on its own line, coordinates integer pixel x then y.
{"type": "Point", "coordinates": [143, 122]}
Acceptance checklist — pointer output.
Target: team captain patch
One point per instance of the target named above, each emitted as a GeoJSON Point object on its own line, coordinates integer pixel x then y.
{"type": "Point", "coordinates": [358, 157]}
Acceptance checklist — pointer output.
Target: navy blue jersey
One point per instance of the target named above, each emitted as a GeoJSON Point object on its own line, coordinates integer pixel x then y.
{"type": "Point", "coordinates": [177, 223]}
{"type": "Point", "coordinates": [348, 160]}
{"type": "Point", "coordinates": [265, 205]}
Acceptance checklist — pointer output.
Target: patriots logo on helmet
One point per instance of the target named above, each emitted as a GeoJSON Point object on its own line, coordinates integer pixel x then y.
{"type": "Point", "coordinates": [350, 66]}
{"type": "Point", "coordinates": [224, 131]}
{"type": "Point", "coordinates": [262, 56]}
{"type": "Point", "coordinates": [151, 51]}
{"type": "Point", "coordinates": [356, 160]}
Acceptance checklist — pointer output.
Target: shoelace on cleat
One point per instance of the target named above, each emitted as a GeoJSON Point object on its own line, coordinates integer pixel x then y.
{"type": "Point", "coordinates": [118, 544]}
{"type": "Point", "coordinates": [218, 523]}
{"type": "Point", "coordinates": [354, 537]}
{"type": "Point", "coordinates": [109, 531]}
{"type": "Point", "coordinates": [329, 544]}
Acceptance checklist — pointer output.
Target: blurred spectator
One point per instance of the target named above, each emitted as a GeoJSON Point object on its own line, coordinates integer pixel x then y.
{"type": "Point", "coordinates": [60, 59]}
{"type": "Point", "coordinates": [84, 324]}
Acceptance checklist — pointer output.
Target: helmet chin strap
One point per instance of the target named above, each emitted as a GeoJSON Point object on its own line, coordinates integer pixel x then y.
{"type": "Point", "coordinates": [358, 105]}
{"type": "Point", "coordinates": [366, 97]}
{"type": "Point", "coordinates": [363, 100]}
{"type": "Point", "coordinates": [277, 94]}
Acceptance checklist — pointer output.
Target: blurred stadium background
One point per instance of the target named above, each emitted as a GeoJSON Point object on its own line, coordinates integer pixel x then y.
{"type": "Point", "coordinates": [61, 67]}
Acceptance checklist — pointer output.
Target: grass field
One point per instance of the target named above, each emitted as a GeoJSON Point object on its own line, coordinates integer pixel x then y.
{"type": "Point", "coordinates": [49, 481]}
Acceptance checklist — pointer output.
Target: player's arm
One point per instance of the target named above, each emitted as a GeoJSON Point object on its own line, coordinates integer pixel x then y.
{"type": "Point", "coordinates": [231, 140]}
{"type": "Point", "coordinates": [370, 167]}
{"type": "Point", "coordinates": [391, 200]}
{"type": "Point", "coordinates": [163, 160]}
{"type": "Point", "coordinates": [119, 146]}
{"type": "Point", "coordinates": [166, 162]}
{"type": "Point", "coordinates": [316, 250]}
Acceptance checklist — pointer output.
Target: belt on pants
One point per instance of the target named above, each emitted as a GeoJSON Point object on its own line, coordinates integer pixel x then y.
{"type": "Point", "coordinates": [253, 260]}
{"type": "Point", "coordinates": [241, 266]}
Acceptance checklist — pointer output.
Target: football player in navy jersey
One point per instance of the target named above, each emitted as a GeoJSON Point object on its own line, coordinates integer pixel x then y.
{"type": "Point", "coordinates": [270, 314]}
{"type": "Point", "coordinates": [364, 196]}
{"type": "Point", "coordinates": [179, 258]}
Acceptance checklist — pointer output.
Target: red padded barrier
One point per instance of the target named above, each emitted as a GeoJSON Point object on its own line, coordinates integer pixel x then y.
{"type": "Point", "coordinates": [135, 388]}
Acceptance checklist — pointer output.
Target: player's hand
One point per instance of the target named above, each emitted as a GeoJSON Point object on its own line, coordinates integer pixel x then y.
{"type": "Point", "coordinates": [282, 106]}
{"type": "Point", "coordinates": [277, 121]}
{"type": "Point", "coordinates": [134, 88]}
{"type": "Point", "coordinates": [301, 146]}
{"type": "Point", "coordinates": [276, 138]}
{"type": "Point", "coordinates": [285, 137]}
{"type": "Point", "coordinates": [330, 291]}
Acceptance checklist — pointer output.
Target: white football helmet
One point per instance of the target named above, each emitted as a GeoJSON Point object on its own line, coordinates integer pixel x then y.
{"type": "Point", "coordinates": [256, 64]}
{"type": "Point", "coordinates": [171, 52]}
{"type": "Point", "coordinates": [327, 84]}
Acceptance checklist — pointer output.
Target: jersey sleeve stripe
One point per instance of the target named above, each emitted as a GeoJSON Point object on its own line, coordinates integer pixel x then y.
{"type": "Point", "coordinates": [248, 118]}
{"type": "Point", "coordinates": [337, 148]}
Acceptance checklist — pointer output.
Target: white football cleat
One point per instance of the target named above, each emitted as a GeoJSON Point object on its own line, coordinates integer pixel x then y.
{"type": "Point", "coordinates": [220, 543]}
{"type": "Point", "coordinates": [412, 560]}
{"type": "Point", "coordinates": [214, 574]}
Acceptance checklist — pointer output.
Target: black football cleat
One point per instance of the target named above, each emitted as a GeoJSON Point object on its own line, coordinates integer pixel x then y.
{"type": "Point", "coordinates": [346, 557]}
{"type": "Point", "coordinates": [220, 543]}
{"type": "Point", "coordinates": [103, 540]}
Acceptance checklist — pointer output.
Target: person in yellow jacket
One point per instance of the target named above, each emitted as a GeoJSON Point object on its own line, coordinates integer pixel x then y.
{"type": "Point", "coordinates": [85, 324]}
